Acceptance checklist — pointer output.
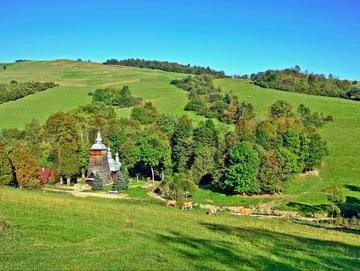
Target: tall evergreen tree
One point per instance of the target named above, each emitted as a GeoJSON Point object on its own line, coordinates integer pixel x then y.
{"type": "Point", "coordinates": [121, 182]}
{"type": "Point", "coordinates": [6, 170]}
{"type": "Point", "coordinates": [68, 160]}
{"type": "Point", "coordinates": [97, 183]}
{"type": "Point", "coordinates": [181, 144]}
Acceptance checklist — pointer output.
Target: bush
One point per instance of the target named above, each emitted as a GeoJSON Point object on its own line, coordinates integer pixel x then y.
{"type": "Point", "coordinates": [194, 105]}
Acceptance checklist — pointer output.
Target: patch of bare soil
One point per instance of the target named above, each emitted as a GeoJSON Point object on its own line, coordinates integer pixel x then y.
{"type": "Point", "coordinates": [121, 82]}
{"type": "Point", "coordinates": [70, 84]}
{"type": "Point", "coordinates": [275, 196]}
{"type": "Point", "coordinates": [314, 172]}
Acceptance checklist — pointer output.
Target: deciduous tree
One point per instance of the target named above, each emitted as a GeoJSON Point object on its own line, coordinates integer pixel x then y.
{"type": "Point", "coordinates": [244, 165]}
{"type": "Point", "coordinates": [25, 165]}
{"type": "Point", "coordinates": [152, 151]}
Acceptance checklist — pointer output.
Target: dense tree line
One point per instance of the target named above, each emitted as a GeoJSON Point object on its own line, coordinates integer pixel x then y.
{"type": "Point", "coordinates": [166, 66]}
{"type": "Point", "coordinates": [293, 80]}
{"type": "Point", "coordinates": [259, 156]}
{"type": "Point", "coordinates": [120, 97]}
{"type": "Point", "coordinates": [15, 90]}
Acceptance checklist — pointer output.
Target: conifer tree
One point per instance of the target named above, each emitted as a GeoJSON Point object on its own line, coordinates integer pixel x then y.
{"type": "Point", "coordinates": [182, 144]}
{"type": "Point", "coordinates": [97, 184]}
{"type": "Point", "coordinates": [68, 160]}
{"type": "Point", "coordinates": [6, 171]}
{"type": "Point", "coordinates": [121, 182]}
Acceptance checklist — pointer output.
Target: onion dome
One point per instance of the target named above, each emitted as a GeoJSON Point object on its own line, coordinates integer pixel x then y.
{"type": "Point", "coordinates": [98, 143]}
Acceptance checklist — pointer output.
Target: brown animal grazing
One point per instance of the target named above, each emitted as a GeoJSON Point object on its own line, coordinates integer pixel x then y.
{"type": "Point", "coordinates": [245, 211]}
{"type": "Point", "coordinates": [187, 205]}
{"type": "Point", "coordinates": [211, 211]}
{"type": "Point", "coordinates": [171, 203]}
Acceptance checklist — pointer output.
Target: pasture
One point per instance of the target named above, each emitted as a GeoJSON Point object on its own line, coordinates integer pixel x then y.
{"type": "Point", "coordinates": [76, 79]}
{"type": "Point", "coordinates": [42, 231]}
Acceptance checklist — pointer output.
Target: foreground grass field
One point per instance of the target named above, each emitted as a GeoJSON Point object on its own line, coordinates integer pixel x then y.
{"type": "Point", "coordinates": [50, 231]}
{"type": "Point", "coordinates": [76, 79]}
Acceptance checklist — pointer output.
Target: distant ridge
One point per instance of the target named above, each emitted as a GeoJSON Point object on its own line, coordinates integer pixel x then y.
{"type": "Point", "coordinates": [166, 66]}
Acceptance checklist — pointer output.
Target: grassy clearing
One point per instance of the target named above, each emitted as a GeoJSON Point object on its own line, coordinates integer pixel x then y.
{"type": "Point", "coordinates": [98, 234]}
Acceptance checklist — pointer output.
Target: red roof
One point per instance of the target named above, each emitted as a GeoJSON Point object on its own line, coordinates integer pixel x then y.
{"type": "Point", "coordinates": [46, 174]}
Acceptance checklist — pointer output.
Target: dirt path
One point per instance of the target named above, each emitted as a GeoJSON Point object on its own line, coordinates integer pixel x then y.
{"type": "Point", "coordinates": [90, 194]}
{"type": "Point", "coordinates": [233, 209]}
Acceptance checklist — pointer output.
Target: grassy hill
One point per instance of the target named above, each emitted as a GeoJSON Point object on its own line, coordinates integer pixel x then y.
{"type": "Point", "coordinates": [76, 79]}
{"type": "Point", "coordinates": [98, 234]}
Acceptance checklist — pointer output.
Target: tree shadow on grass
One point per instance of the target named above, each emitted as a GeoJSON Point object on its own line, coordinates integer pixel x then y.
{"type": "Point", "coordinates": [353, 187]}
{"type": "Point", "coordinates": [310, 210]}
{"type": "Point", "coordinates": [210, 254]}
{"type": "Point", "coordinates": [350, 208]}
{"type": "Point", "coordinates": [291, 251]}
{"type": "Point", "coordinates": [327, 227]}
{"type": "Point", "coordinates": [244, 248]}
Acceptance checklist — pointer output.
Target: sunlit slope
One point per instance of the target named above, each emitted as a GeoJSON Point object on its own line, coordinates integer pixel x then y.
{"type": "Point", "coordinates": [97, 234]}
{"type": "Point", "coordinates": [343, 137]}
{"type": "Point", "coordinates": [76, 79]}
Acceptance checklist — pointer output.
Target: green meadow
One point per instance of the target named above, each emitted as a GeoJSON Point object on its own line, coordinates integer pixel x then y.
{"type": "Point", "coordinates": [51, 231]}
{"type": "Point", "coordinates": [76, 79]}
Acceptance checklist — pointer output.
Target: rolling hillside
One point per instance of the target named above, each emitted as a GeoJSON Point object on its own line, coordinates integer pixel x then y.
{"type": "Point", "coordinates": [98, 234]}
{"type": "Point", "coordinates": [76, 79]}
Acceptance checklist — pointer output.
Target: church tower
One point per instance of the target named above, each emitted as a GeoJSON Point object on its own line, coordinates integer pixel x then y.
{"type": "Point", "coordinates": [99, 162]}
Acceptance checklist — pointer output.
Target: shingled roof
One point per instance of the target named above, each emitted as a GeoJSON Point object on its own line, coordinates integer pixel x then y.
{"type": "Point", "coordinates": [46, 174]}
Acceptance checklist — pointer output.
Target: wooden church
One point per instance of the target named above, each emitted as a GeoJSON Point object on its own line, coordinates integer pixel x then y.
{"type": "Point", "coordinates": [101, 161]}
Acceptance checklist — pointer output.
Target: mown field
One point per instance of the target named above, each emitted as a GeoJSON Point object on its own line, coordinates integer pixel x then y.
{"type": "Point", "coordinates": [51, 231]}
{"type": "Point", "coordinates": [76, 79]}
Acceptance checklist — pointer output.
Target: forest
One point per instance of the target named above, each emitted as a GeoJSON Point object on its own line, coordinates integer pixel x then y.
{"type": "Point", "coordinates": [294, 80]}
{"type": "Point", "coordinates": [259, 156]}
{"type": "Point", "coordinates": [166, 66]}
{"type": "Point", "coordinates": [15, 90]}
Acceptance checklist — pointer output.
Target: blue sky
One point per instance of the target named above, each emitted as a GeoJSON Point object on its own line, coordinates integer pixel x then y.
{"type": "Point", "coordinates": [238, 37]}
